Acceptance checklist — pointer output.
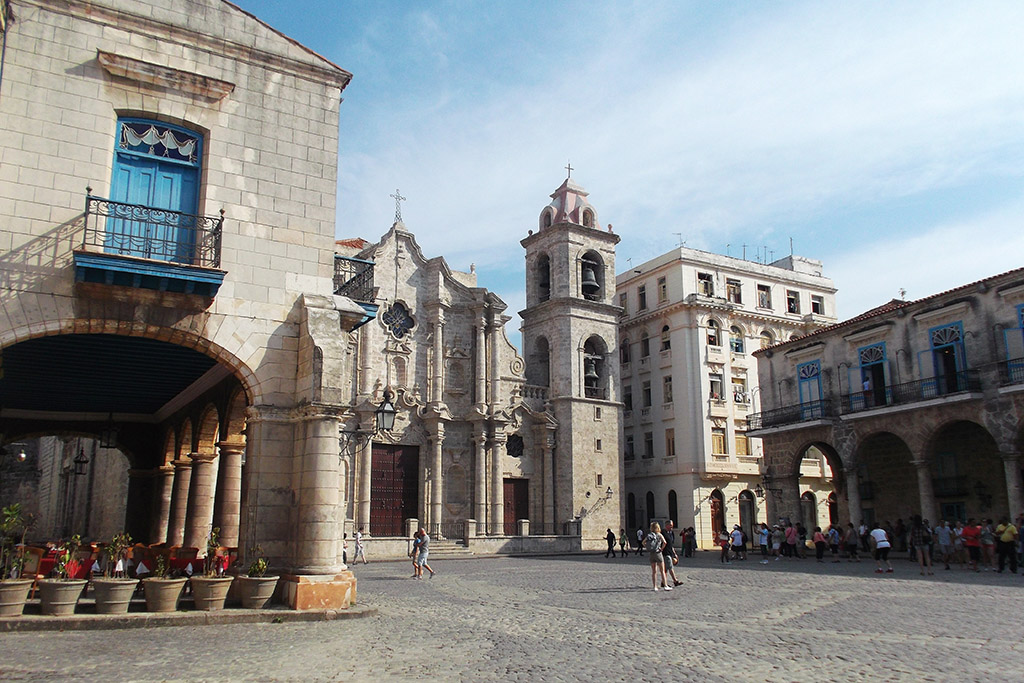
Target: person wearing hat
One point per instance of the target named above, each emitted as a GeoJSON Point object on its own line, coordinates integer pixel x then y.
{"type": "Point", "coordinates": [739, 547]}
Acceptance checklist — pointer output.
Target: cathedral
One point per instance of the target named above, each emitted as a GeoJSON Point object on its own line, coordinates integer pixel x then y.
{"type": "Point", "coordinates": [487, 445]}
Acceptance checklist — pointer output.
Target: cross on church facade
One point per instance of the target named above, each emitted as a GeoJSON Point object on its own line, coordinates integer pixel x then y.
{"type": "Point", "coordinates": [397, 196]}
{"type": "Point", "coordinates": [569, 169]}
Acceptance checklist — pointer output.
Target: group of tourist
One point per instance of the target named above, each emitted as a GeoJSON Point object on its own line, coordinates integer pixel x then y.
{"type": "Point", "coordinates": [978, 545]}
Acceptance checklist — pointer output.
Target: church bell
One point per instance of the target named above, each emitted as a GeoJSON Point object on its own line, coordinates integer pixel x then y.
{"type": "Point", "coordinates": [590, 285]}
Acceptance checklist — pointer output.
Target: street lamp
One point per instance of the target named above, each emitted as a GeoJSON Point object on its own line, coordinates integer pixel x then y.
{"type": "Point", "coordinates": [384, 421]}
{"type": "Point", "coordinates": [80, 462]}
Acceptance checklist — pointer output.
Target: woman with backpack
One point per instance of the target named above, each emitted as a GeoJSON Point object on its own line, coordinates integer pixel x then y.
{"type": "Point", "coordinates": [654, 543]}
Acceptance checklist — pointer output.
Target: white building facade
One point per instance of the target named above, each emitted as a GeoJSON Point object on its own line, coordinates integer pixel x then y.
{"type": "Point", "coordinates": [689, 324]}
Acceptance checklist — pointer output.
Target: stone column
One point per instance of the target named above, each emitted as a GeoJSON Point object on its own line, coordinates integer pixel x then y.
{"type": "Point", "coordinates": [437, 385]}
{"type": "Point", "coordinates": [497, 487]}
{"type": "Point", "coordinates": [548, 460]}
{"type": "Point", "coordinates": [319, 498]}
{"type": "Point", "coordinates": [1011, 466]}
{"type": "Point", "coordinates": [926, 491]}
{"type": "Point", "coordinates": [436, 441]}
{"type": "Point", "coordinates": [787, 498]}
{"type": "Point", "coordinates": [853, 504]}
{"type": "Point", "coordinates": [199, 519]}
{"type": "Point", "coordinates": [162, 510]}
{"type": "Point", "coordinates": [227, 506]}
{"type": "Point", "coordinates": [494, 372]}
{"type": "Point", "coordinates": [480, 479]}
{"type": "Point", "coordinates": [179, 501]}
{"type": "Point", "coordinates": [481, 367]}
{"type": "Point", "coordinates": [365, 363]}
{"type": "Point", "coordinates": [365, 459]}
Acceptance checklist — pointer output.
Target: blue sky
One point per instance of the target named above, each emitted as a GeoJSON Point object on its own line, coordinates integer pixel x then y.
{"type": "Point", "coordinates": [886, 139]}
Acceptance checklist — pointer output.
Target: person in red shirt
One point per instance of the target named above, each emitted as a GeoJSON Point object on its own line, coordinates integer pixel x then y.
{"type": "Point", "coordinates": [971, 535]}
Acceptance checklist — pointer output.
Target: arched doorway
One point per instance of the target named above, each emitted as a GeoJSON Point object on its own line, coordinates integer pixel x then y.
{"type": "Point", "coordinates": [886, 479]}
{"type": "Point", "coordinates": [968, 473]}
{"type": "Point", "coordinates": [748, 516]}
{"type": "Point", "coordinates": [717, 502]}
{"type": "Point", "coordinates": [808, 510]}
{"type": "Point", "coordinates": [673, 508]}
{"type": "Point", "coordinates": [650, 507]}
{"type": "Point", "coordinates": [833, 509]}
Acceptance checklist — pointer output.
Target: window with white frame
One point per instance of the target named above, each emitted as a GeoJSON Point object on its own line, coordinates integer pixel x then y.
{"type": "Point", "coordinates": [662, 290]}
{"type": "Point", "coordinates": [641, 298]}
{"type": "Point", "coordinates": [764, 296]}
{"type": "Point", "coordinates": [666, 388]}
{"type": "Point", "coordinates": [718, 441]}
{"type": "Point", "coordinates": [817, 304]}
{"type": "Point", "coordinates": [670, 443]}
{"type": "Point", "coordinates": [792, 301]}
{"type": "Point", "coordinates": [705, 284]}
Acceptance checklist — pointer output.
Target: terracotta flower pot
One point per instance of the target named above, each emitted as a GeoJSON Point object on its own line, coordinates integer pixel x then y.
{"type": "Point", "coordinates": [256, 591]}
{"type": "Point", "coordinates": [209, 592]}
{"type": "Point", "coordinates": [58, 597]}
{"type": "Point", "coordinates": [13, 596]}
{"type": "Point", "coordinates": [113, 595]}
{"type": "Point", "coordinates": [162, 595]}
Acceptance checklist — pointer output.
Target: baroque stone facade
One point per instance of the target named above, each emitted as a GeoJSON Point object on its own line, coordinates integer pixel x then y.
{"type": "Point", "coordinates": [917, 406]}
{"type": "Point", "coordinates": [485, 444]}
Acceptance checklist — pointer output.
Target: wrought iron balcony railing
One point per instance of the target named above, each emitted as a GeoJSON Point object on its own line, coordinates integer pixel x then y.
{"type": "Point", "coordinates": [912, 392]}
{"type": "Point", "coordinates": [353, 278]}
{"type": "Point", "coordinates": [800, 412]}
{"type": "Point", "coordinates": [1011, 372]}
{"type": "Point", "coordinates": [150, 233]}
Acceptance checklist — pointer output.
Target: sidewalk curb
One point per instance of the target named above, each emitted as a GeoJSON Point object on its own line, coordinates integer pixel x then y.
{"type": "Point", "coordinates": [98, 622]}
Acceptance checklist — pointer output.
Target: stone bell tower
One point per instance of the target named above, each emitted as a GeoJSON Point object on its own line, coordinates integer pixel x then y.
{"type": "Point", "coordinates": [569, 343]}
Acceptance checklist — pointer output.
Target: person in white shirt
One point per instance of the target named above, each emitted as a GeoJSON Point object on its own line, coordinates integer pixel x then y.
{"type": "Point", "coordinates": [360, 550]}
{"type": "Point", "coordinates": [882, 544]}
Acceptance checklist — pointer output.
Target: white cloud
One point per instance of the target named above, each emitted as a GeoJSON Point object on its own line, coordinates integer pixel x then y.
{"type": "Point", "coordinates": [727, 126]}
{"type": "Point", "coordinates": [948, 255]}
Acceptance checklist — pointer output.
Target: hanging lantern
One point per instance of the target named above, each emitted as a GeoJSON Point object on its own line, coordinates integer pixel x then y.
{"type": "Point", "coordinates": [80, 461]}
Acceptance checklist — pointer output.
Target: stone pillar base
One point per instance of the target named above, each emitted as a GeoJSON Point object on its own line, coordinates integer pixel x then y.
{"type": "Point", "coordinates": [306, 591]}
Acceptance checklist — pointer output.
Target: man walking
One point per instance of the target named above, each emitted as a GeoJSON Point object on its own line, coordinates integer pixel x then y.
{"type": "Point", "coordinates": [669, 553]}
{"type": "Point", "coordinates": [360, 550]}
{"type": "Point", "coordinates": [610, 538]}
{"type": "Point", "coordinates": [423, 549]}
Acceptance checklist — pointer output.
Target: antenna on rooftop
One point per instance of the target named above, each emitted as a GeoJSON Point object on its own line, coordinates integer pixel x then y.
{"type": "Point", "coordinates": [903, 294]}
{"type": "Point", "coordinates": [679, 235]}
{"type": "Point", "coordinates": [727, 249]}
{"type": "Point", "coordinates": [790, 246]}
{"type": "Point", "coordinates": [744, 252]}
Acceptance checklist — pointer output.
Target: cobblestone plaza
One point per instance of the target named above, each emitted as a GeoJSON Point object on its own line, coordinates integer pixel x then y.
{"type": "Point", "coordinates": [585, 617]}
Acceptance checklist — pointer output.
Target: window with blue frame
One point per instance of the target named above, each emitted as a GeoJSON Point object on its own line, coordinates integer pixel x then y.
{"type": "Point", "coordinates": [1014, 340]}
{"type": "Point", "coordinates": [947, 362]}
{"type": "Point", "coordinates": [872, 390]}
{"type": "Point", "coordinates": [154, 191]}
{"type": "Point", "coordinates": [809, 384]}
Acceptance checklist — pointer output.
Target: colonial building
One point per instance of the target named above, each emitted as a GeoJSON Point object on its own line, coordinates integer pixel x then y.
{"type": "Point", "coordinates": [488, 450]}
{"type": "Point", "coordinates": [690, 322]}
{"type": "Point", "coordinates": [918, 407]}
{"type": "Point", "coordinates": [167, 200]}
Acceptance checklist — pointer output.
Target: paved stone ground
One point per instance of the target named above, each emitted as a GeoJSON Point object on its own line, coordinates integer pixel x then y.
{"type": "Point", "coordinates": [561, 619]}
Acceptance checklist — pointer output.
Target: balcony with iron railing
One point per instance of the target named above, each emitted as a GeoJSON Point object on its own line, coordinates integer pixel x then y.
{"type": "Point", "coordinates": [353, 278]}
{"type": "Point", "coordinates": [144, 247]}
{"type": "Point", "coordinates": [792, 414]}
{"type": "Point", "coordinates": [912, 392]}
{"type": "Point", "coordinates": [1011, 372]}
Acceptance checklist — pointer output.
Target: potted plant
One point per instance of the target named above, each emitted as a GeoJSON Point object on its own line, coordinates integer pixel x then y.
{"type": "Point", "coordinates": [59, 596]}
{"type": "Point", "coordinates": [114, 590]}
{"type": "Point", "coordinates": [162, 591]}
{"type": "Point", "coordinates": [256, 588]}
{"type": "Point", "coordinates": [13, 588]}
{"type": "Point", "coordinates": [211, 589]}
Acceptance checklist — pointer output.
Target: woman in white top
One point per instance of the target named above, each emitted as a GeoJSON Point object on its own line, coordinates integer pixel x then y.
{"type": "Point", "coordinates": [880, 539]}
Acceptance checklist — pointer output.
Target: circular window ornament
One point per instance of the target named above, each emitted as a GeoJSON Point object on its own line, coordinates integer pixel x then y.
{"type": "Point", "coordinates": [397, 320]}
